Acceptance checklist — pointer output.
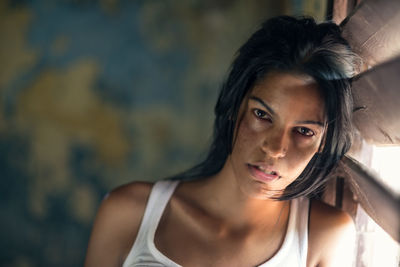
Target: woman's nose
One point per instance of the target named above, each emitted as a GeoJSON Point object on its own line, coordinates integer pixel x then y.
{"type": "Point", "coordinates": [276, 144]}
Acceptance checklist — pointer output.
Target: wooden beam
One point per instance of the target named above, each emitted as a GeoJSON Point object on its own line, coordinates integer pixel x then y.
{"type": "Point", "coordinates": [381, 204]}
{"type": "Point", "coordinates": [342, 8]}
{"type": "Point", "coordinates": [372, 29]}
{"type": "Point", "coordinates": [376, 97]}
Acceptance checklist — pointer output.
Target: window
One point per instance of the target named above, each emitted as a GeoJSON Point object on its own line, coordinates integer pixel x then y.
{"type": "Point", "coordinates": [375, 248]}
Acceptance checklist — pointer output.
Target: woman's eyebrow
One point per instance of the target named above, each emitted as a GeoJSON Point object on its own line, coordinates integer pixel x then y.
{"type": "Point", "coordinates": [259, 100]}
{"type": "Point", "coordinates": [263, 104]}
{"type": "Point", "coordinates": [312, 122]}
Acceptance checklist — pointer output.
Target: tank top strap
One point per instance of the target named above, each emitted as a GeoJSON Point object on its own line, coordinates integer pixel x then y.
{"type": "Point", "coordinates": [158, 200]}
{"type": "Point", "coordinates": [303, 226]}
{"type": "Point", "coordinates": [293, 251]}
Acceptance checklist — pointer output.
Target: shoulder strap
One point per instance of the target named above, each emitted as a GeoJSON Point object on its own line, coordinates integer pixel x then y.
{"type": "Point", "coordinates": [303, 228]}
{"type": "Point", "coordinates": [158, 200]}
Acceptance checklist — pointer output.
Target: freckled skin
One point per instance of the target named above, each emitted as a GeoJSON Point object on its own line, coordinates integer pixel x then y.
{"type": "Point", "coordinates": [276, 139]}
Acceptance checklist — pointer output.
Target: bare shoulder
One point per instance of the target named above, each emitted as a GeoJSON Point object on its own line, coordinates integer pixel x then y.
{"type": "Point", "coordinates": [331, 236]}
{"type": "Point", "coordinates": [117, 223]}
{"type": "Point", "coordinates": [134, 195]}
{"type": "Point", "coordinates": [329, 218]}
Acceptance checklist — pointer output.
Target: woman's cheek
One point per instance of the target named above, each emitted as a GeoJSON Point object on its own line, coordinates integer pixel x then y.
{"type": "Point", "coordinates": [301, 158]}
{"type": "Point", "coordinates": [248, 133]}
{"type": "Point", "coordinates": [253, 125]}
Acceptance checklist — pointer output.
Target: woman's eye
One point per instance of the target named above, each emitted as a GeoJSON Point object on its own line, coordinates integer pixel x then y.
{"type": "Point", "coordinates": [261, 114]}
{"type": "Point", "coordinates": [305, 131]}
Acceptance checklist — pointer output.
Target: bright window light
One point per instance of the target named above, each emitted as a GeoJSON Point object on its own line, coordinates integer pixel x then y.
{"type": "Point", "coordinates": [386, 162]}
{"type": "Point", "coordinates": [377, 247]}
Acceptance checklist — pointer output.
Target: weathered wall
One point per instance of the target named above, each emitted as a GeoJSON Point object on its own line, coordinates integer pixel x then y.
{"type": "Point", "coordinates": [95, 94]}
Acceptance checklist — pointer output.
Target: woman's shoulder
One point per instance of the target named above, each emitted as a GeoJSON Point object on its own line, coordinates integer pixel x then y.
{"type": "Point", "coordinates": [331, 236]}
{"type": "Point", "coordinates": [134, 193]}
{"type": "Point", "coordinates": [117, 223]}
{"type": "Point", "coordinates": [330, 216]}
{"type": "Point", "coordinates": [126, 203]}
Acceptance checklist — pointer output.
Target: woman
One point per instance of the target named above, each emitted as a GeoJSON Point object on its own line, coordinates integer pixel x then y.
{"type": "Point", "coordinates": [282, 124]}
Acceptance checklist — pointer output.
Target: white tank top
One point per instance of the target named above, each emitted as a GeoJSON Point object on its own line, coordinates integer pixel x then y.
{"type": "Point", "coordinates": [293, 251]}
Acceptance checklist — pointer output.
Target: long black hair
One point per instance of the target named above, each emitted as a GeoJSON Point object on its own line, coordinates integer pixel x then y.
{"type": "Point", "coordinates": [297, 45]}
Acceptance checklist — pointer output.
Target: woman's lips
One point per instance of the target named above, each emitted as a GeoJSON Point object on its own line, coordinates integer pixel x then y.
{"type": "Point", "coordinates": [262, 174]}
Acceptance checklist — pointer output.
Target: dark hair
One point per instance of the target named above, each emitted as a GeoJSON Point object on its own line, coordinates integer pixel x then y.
{"type": "Point", "coordinates": [296, 45]}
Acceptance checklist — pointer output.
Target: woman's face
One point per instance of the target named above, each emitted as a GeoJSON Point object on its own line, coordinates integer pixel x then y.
{"type": "Point", "coordinates": [280, 128]}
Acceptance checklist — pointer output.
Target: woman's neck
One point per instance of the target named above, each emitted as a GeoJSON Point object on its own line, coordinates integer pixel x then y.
{"type": "Point", "coordinates": [222, 197]}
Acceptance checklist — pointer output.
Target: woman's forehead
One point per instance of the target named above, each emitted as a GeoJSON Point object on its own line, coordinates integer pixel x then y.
{"type": "Point", "coordinates": [290, 92]}
{"type": "Point", "coordinates": [284, 76]}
